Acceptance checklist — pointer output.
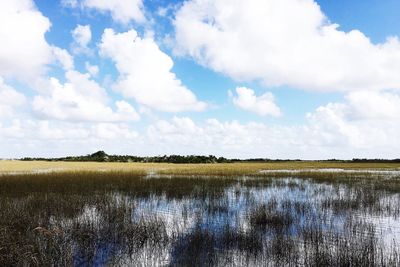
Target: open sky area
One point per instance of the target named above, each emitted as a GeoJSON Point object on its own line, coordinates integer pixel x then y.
{"type": "Point", "coordinates": [307, 79]}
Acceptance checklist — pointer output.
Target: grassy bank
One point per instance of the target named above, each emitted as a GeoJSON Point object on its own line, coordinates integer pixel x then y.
{"type": "Point", "coordinates": [186, 169]}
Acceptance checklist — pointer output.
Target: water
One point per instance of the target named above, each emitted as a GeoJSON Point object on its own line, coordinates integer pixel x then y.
{"type": "Point", "coordinates": [233, 222]}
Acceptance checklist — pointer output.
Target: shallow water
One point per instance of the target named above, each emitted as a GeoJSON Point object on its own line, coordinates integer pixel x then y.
{"type": "Point", "coordinates": [390, 172]}
{"type": "Point", "coordinates": [237, 222]}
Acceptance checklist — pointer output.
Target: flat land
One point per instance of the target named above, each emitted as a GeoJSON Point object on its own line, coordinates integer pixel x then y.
{"type": "Point", "coordinates": [245, 168]}
{"type": "Point", "coordinates": [113, 214]}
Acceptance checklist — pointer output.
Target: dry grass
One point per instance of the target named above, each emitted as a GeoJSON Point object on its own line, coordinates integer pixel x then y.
{"type": "Point", "coordinates": [34, 166]}
{"type": "Point", "coordinates": [182, 169]}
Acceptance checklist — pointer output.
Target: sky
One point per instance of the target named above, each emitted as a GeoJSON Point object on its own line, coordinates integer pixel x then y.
{"type": "Point", "coordinates": [280, 79]}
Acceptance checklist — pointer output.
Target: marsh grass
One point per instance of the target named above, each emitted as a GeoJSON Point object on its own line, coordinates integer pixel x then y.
{"type": "Point", "coordinates": [220, 169]}
{"type": "Point", "coordinates": [129, 218]}
{"type": "Point", "coordinates": [267, 216]}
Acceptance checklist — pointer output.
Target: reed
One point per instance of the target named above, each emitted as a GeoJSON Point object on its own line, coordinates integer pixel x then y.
{"type": "Point", "coordinates": [217, 169]}
{"type": "Point", "coordinates": [130, 218]}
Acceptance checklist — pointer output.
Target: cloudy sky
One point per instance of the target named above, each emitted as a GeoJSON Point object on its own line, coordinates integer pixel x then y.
{"type": "Point", "coordinates": [309, 79]}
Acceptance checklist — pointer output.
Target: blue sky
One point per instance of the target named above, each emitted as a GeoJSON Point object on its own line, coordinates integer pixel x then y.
{"type": "Point", "coordinates": [259, 78]}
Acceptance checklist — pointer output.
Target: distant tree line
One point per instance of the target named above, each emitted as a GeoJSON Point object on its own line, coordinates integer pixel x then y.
{"type": "Point", "coordinates": [101, 156]}
{"type": "Point", "coordinates": [377, 160]}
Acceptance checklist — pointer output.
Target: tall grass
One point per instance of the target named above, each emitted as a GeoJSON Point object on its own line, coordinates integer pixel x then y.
{"type": "Point", "coordinates": [224, 169]}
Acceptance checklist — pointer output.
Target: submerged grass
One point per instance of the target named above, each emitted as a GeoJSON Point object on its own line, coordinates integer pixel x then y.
{"type": "Point", "coordinates": [126, 217]}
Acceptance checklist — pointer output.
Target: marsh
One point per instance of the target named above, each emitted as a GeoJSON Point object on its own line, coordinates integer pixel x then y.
{"type": "Point", "coordinates": [127, 218]}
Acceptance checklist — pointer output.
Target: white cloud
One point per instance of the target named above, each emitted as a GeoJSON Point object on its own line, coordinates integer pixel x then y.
{"type": "Point", "coordinates": [335, 130]}
{"type": "Point", "coordinates": [24, 52]}
{"type": "Point", "coordinates": [230, 138]}
{"type": "Point", "coordinates": [262, 105]}
{"type": "Point", "coordinates": [168, 9]}
{"type": "Point", "coordinates": [179, 128]}
{"type": "Point", "coordinates": [82, 36]}
{"type": "Point", "coordinates": [366, 121]}
{"type": "Point", "coordinates": [354, 128]}
{"type": "Point", "coordinates": [9, 99]}
{"type": "Point", "coordinates": [145, 73]}
{"type": "Point", "coordinates": [233, 139]}
{"type": "Point", "coordinates": [92, 69]}
{"type": "Point", "coordinates": [284, 42]}
{"type": "Point", "coordinates": [375, 105]}
{"type": "Point", "coordinates": [63, 57]}
{"type": "Point", "coordinates": [81, 99]}
{"type": "Point", "coordinates": [45, 138]}
{"type": "Point", "coordinates": [113, 131]}
{"type": "Point", "coordinates": [162, 11]}
{"type": "Point", "coordinates": [331, 126]}
{"type": "Point", "coordinates": [44, 130]}
{"type": "Point", "coordinates": [122, 11]}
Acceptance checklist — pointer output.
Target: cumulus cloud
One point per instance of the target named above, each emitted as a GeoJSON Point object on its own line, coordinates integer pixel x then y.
{"type": "Point", "coordinates": [82, 36]}
{"type": "Point", "coordinates": [336, 130]}
{"type": "Point", "coordinates": [229, 138]}
{"type": "Point", "coordinates": [81, 99]}
{"type": "Point", "coordinates": [331, 126]}
{"type": "Point", "coordinates": [375, 105]}
{"type": "Point", "coordinates": [122, 11]}
{"type": "Point", "coordinates": [9, 99]}
{"type": "Point", "coordinates": [24, 52]}
{"type": "Point", "coordinates": [59, 138]}
{"type": "Point", "coordinates": [145, 73]}
{"type": "Point", "coordinates": [365, 121]}
{"type": "Point", "coordinates": [284, 42]}
{"type": "Point", "coordinates": [113, 131]}
{"type": "Point", "coordinates": [45, 130]}
{"type": "Point", "coordinates": [262, 105]}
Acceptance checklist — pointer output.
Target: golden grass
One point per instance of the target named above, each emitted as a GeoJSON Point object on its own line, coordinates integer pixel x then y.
{"type": "Point", "coordinates": [182, 169]}
{"type": "Point", "coordinates": [32, 166]}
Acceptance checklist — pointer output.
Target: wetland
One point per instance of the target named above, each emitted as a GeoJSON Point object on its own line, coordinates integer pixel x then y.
{"type": "Point", "coordinates": [280, 218]}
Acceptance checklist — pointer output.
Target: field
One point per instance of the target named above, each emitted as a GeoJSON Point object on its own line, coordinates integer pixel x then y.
{"type": "Point", "coordinates": [187, 169]}
{"type": "Point", "coordinates": [240, 214]}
